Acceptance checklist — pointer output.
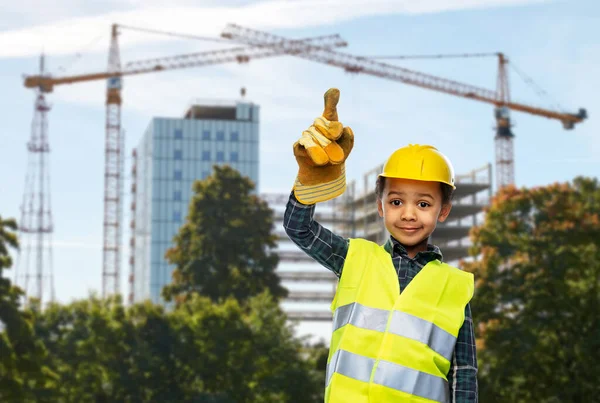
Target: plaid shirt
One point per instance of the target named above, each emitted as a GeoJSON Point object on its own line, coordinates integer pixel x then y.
{"type": "Point", "coordinates": [330, 250]}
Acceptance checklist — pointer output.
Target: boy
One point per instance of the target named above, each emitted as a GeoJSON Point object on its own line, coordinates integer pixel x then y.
{"type": "Point", "coordinates": [402, 327]}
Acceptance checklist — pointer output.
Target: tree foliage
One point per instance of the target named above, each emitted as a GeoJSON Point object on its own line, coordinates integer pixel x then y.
{"type": "Point", "coordinates": [538, 294]}
{"type": "Point", "coordinates": [21, 354]}
{"type": "Point", "coordinates": [200, 351]}
{"type": "Point", "coordinates": [226, 340]}
{"type": "Point", "coordinates": [225, 248]}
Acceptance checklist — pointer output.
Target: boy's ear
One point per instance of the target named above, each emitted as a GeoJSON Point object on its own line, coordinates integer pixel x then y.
{"type": "Point", "coordinates": [444, 212]}
{"type": "Point", "coordinates": [380, 207]}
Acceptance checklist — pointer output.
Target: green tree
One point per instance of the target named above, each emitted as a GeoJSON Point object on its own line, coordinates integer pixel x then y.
{"type": "Point", "coordinates": [21, 353]}
{"type": "Point", "coordinates": [538, 294]}
{"type": "Point", "coordinates": [200, 351]}
{"type": "Point", "coordinates": [246, 353]}
{"type": "Point", "coordinates": [225, 248]}
{"type": "Point", "coordinates": [104, 352]}
{"type": "Point", "coordinates": [316, 355]}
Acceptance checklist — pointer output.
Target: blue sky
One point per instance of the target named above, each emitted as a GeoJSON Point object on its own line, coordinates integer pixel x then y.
{"type": "Point", "coordinates": [557, 43]}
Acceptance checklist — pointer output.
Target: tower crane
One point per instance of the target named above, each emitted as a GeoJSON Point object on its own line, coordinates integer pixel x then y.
{"type": "Point", "coordinates": [499, 98]}
{"type": "Point", "coordinates": [113, 182]}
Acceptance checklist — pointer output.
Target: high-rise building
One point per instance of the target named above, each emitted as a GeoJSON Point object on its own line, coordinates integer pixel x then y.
{"type": "Point", "coordinates": [172, 154]}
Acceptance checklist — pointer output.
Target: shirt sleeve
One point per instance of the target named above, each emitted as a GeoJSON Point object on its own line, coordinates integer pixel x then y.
{"type": "Point", "coordinates": [318, 242]}
{"type": "Point", "coordinates": [462, 378]}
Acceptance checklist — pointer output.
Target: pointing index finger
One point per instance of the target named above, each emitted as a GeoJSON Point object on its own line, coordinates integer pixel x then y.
{"type": "Point", "coordinates": [331, 97]}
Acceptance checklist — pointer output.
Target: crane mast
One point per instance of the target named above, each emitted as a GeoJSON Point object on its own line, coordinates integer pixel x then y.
{"type": "Point", "coordinates": [113, 175]}
{"type": "Point", "coordinates": [504, 138]}
{"type": "Point", "coordinates": [34, 266]}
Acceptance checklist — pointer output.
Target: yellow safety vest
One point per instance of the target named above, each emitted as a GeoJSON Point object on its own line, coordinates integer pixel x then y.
{"type": "Point", "coordinates": [389, 346]}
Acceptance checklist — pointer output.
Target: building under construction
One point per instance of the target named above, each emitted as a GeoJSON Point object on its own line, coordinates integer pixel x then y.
{"type": "Point", "coordinates": [354, 214]}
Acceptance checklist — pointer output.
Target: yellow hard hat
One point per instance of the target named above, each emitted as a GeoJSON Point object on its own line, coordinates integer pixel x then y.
{"type": "Point", "coordinates": [419, 162]}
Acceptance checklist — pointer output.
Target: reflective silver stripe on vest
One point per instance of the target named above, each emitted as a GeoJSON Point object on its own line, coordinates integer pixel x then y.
{"type": "Point", "coordinates": [388, 374]}
{"type": "Point", "coordinates": [402, 324]}
{"type": "Point", "coordinates": [412, 327]}
{"type": "Point", "coordinates": [360, 316]}
{"type": "Point", "coordinates": [351, 365]}
{"type": "Point", "coordinates": [411, 381]}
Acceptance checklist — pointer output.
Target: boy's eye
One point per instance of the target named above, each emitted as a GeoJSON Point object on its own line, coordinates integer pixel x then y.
{"type": "Point", "coordinates": [424, 204]}
{"type": "Point", "coordinates": [396, 202]}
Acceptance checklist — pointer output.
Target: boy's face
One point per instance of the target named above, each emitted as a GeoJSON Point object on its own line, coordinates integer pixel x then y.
{"type": "Point", "coordinates": [411, 209]}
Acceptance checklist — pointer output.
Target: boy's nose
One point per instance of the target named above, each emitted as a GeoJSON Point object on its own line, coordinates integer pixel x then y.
{"type": "Point", "coordinates": [408, 214]}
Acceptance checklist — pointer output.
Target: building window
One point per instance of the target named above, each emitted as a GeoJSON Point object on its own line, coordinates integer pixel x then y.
{"type": "Point", "coordinates": [220, 156]}
{"type": "Point", "coordinates": [177, 195]}
{"type": "Point", "coordinates": [220, 136]}
{"type": "Point", "coordinates": [177, 175]}
{"type": "Point", "coordinates": [178, 134]}
{"type": "Point", "coordinates": [206, 135]}
{"type": "Point", "coordinates": [178, 154]}
{"type": "Point", "coordinates": [205, 174]}
{"type": "Point", "coordinates": [234, 156]}
{"type": "Point", "coordinates": [235, 136]}
{"type": "Point", "coordinates": [177, 216]}
{"type": "Point", "coordinates": [205, 155]}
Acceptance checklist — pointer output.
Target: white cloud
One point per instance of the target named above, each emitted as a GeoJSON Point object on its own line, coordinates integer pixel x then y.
{"type": "Point", "coordinates": [68, 35]}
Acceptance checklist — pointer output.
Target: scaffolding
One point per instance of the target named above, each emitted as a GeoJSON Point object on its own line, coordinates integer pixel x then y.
{"type": "Point", "coordinates": [354, 215]}
{"type": "Point", "coordinates": [311, 287]}
{"type": "Point", "coordinates": [132, 226]}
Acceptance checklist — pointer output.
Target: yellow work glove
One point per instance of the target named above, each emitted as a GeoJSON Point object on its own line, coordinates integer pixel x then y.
{"type": "Point", "coordinates": [321, 153]}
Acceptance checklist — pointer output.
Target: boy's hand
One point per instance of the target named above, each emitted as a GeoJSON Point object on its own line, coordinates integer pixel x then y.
{"type": "Point", "coordinates": [321, 153]}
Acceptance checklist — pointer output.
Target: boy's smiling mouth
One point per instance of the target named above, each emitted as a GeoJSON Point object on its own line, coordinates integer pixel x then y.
{"type": "Point", "coordinates": [409, 229]}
